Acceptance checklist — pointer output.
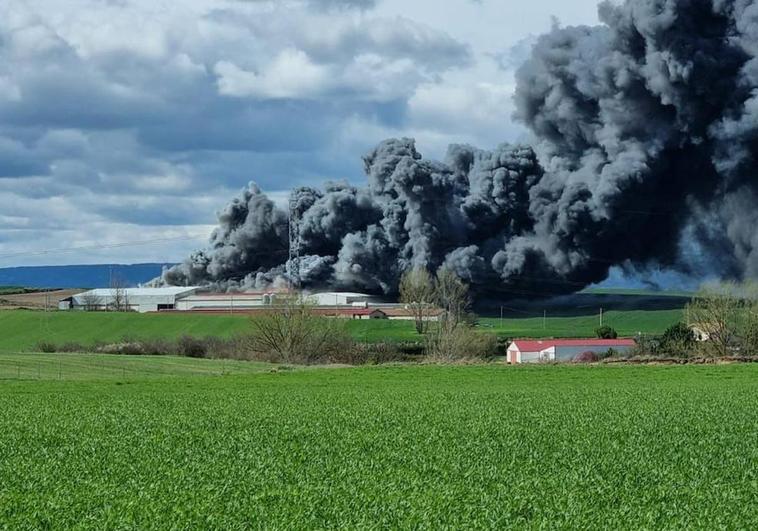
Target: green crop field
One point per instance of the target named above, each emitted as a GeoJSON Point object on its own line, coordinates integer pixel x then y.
{"type": "Point", "coordinates": [22, 330]}
{"type": "Point", "coordinates": [611, 447]}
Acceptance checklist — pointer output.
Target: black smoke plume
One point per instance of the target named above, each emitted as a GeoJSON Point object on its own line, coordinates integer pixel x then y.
{"type": "Point", "coordinates": [645, 143]}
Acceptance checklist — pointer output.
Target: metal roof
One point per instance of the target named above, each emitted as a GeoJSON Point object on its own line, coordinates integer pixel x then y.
{"type": "Point", "coordinates": [140, 292]}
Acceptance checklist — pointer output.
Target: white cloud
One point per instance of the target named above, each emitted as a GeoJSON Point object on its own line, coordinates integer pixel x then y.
{"type": "Point", "coordinates": [144, 116]}
{"type": "Point", "coordinates": [477, 110]}
{"type": "Point", "coordinates": [290, 75]}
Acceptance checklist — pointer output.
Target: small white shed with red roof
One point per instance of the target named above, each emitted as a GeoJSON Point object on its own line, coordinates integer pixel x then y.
{"type": "Point", "coordinates": [532, 351]}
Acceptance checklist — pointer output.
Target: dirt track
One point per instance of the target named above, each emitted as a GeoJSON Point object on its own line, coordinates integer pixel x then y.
{"type": "Point", "coordinates": [36, 301]}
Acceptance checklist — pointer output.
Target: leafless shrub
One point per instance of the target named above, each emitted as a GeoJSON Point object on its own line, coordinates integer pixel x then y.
{"type": "Point", "coordinates": [292, 333]}
{"type": "Point", "coordinates": [192, 347]}
{"type": "Point", "coordinates": [130, 348]}
{"type": "Point", "coordinates": [46, 347]}
{"type": "Point", "coordinates": [158, 347]}
{"type": "Point", "coordinates": [71, 346]}
{"type": "Point", "coordinates": [445, 343]}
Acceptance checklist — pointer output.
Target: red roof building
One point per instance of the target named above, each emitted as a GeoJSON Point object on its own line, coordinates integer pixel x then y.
{"type": "Point", "coordinates": [531, 350]}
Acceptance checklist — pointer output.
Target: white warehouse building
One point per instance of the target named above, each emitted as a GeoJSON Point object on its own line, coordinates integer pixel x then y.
{"type": "Point", "coordinates": [230, 301]}
{"type": "Point", "coordinates": [194, 298]}
{"type": "Point", "coordinates": [135, 299]}
{"type": "Point", "coordinates": [341, 298]}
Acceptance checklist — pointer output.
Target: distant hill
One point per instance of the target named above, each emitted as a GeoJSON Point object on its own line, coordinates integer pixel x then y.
{"type": "Point", "coordinates": [78, 276]}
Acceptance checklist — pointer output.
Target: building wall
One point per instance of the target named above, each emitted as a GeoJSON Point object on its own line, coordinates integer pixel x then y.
{"type": "Point", "coordinates": [426, 318]}
{"type": "Point", "coordinates": [227, 302]}
{"type": "Point", "coordinates": [144, 300]}
{"type": "Point", "coordinates": [530, 357]}
{"type": "Point", "coordinates": [332, 298]}
{"type": "Point", "coordinates": [569, 353]}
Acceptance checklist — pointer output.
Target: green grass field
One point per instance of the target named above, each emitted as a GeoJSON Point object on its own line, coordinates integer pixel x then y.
{"type": "Point", "coordinates": [599, 447]}
{"type": "Point", "coordinates": [22, 330]}
{"type": "Point", "coordinates": [31, 366]}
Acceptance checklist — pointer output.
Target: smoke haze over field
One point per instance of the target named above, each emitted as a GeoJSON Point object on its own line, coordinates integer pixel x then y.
{"type": "Point", "coordinates": [644, 143]}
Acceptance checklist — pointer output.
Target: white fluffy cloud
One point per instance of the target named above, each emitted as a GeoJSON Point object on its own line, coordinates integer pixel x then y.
{"type": "Point", "coordinates": [290, 75]}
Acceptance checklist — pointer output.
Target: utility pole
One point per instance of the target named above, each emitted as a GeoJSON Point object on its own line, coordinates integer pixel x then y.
{"type": "Point", "coordinates": [110, 285]}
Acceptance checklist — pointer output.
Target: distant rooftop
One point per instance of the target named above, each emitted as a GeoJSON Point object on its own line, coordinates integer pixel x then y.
{"type": "Point", "coordinates": [139, 292]}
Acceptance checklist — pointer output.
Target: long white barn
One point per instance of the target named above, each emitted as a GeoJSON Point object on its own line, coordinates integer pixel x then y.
{"type": "Point", "coordinates": [194, 298]}
{"type": "Point", "coordinates": [134, 299]}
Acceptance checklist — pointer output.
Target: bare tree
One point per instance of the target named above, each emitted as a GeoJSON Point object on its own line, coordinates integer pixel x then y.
{"type": "Point", "coordinates": [715, 311]}
{"type": "Point", "coordinates": [452, 337]}
{"type": "Point", "coordinates": [293, 333]}
{"type": "Point", "coordinates": [747, 321]}
{"type": "Point", "coordinates": [90, 301]}
{"type": "Point", "coordinates": [452, 295]}
{"type": "Point", "coordinates": [119, 295]}
{"type": "Point", "coordinates": [418, 294]}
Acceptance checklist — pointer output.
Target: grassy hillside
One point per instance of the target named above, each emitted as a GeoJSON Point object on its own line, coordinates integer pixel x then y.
{"type": "Point", "coordinates": [22, 330]}
{"type": "Point", "coordinates": [626, 323]}
{"type": "Point", "coordinates": [638, 292]}
{"type": "Point", "coordinates": [393, 447]}
{"type": "Point", "coordinates": [29, 366]}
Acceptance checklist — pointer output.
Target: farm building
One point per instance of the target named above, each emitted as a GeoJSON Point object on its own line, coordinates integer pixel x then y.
{"type": "Point", "coordinates": [134, 299]}
{"type": "Point", "coordinates": [340, 304]}
{"type": "Point", "coordinates": [341, 298]}
{"type": "Point", "coordinates": [228, 301]}
{"type": "Point", "coordinates": [532, 351]}
{"type": "Point", "coordinates": [343, 312]}
{"type": "Point", "coordinates": [401, 313]}
{"type": "Point", "coordinates": [708, 331]}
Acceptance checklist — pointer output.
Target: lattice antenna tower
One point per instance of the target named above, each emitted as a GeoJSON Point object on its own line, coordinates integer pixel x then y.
{"type": "Point", "coordinates": [293, 264]}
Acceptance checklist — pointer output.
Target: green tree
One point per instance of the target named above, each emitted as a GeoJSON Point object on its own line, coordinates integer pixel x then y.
{"type": "Point", "coordinates": [606, 332]}
{"type": "Point", "coordinates": [677, 340]}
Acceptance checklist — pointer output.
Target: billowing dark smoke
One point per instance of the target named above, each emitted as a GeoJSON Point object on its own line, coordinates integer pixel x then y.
{"type": "Point", "coordinates": [645, 153]}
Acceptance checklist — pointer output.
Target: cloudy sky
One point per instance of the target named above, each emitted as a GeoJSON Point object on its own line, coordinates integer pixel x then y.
{"type": "Point", "coordinates": [128, 121]}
